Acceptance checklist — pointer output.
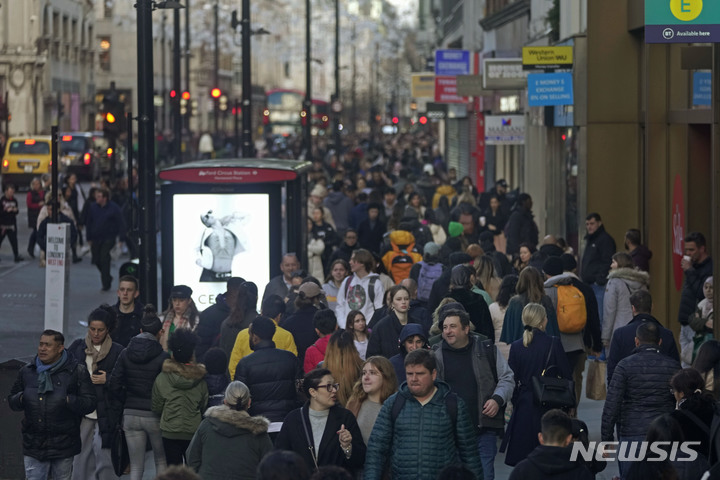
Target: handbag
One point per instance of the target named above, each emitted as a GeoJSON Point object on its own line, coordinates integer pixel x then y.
{"type": "Point", "coordinates": [119, 451]}
{"type": "Point", "coordinates": [595, 388]}
{"type": "Point", "coordinates": [553, 392]}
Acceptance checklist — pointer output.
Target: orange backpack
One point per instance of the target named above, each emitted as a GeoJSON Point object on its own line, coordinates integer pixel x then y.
{"type": "Point", "coordinates": [571, 309]}
{"type": "Point", "coordinates": [399, 262]}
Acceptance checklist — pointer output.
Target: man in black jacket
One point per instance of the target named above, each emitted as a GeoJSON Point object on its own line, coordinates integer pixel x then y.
{"type": "Point", "coordinates": [623, 339]}
{"type": "Point", "coordinates": [597, 257]}
{"type": "Point", "coordinates": [55, 392]}
{"type": "Point", "coordinates": [521, 226]}
{"type": "Point", "coordinates": [697, 266]}
{"type": "Point", "coordinates": [639, 391]}
{"type": "Point", "coordinates": [128, 309]}
{"type": "Point", "coordinates": [551, 459]}
{"type": "Point", "coordinates": [269, 373]}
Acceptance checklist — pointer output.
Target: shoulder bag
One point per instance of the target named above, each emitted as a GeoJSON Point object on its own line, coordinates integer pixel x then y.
{"type": "Point", "coordinates": [553, 391]}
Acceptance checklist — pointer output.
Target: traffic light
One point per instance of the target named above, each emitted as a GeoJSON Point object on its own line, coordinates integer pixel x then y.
{"type": "Point", "coordinates": [395, 120]}
{"type": "Point", "coordinates": [422, 120]}
{"type": "Point", "coordinates": [185, 95]}
{"type": "Point", "coordinates": [173, 94]}
{"type": "Point", "coordinates": [215, 93]}
{"type": "Point", "coordinates": [113, 112]}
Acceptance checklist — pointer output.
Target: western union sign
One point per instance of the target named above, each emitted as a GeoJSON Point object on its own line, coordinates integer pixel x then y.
{"type": "Point", "coordinates": [547, 57]}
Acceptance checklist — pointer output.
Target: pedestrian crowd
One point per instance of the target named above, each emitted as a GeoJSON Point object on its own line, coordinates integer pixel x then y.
{"type": "Point", "coordinates": [429, 328]}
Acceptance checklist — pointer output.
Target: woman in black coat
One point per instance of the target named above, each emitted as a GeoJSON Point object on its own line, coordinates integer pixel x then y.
{"type": "Point", "coordinates": [98, 352]}
{"type": "Point", "coordinates": [339, 442]}
{"type": "Point", "coordinates": [384, 338]}
{"type": "Point", "coordinates": [474, 303]}
{"type": "Point", "coordinates": [528, 358]}
{"type": "Point", "coordinates": [695, 407]}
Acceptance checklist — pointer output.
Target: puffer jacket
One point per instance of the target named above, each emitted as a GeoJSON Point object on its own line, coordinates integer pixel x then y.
{"type": "Point", "coordinates": [421, 441]}
{"type": "Point", "coordinates": [179, 396]}
{"type": "Point", "coordinates": [639, 392]}
{"type": "Point", "coordinates": [229, 444]}
{"type": "Point", "coordinates": [108, 414]}
{"type": "Point", "coordinates": [134, 374]}
{"type": "Point", "coordinates": [402, 242]}
{"type": "Point", "coordinates": [51, 427]}
{"type": "Point", "coordinates": [270, 375]}
{"type": "Point", "coordinates": [617, 312]}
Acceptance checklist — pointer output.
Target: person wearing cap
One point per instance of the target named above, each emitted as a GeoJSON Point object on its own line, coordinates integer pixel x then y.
{"type": "Point", "coordinates": [574, 344]}
{"type": "Point", "coordinates": [132, 381]}
{"type": "Point", "coordinates": [412, 337]}
{"type": "Point", "coordinates": [280, 284]}
{"type": "Point", "coordinates": [300, 323]}
{"type": "Point", "coordinates": [315, 199]}
{"type": "Point", "coordinates": [487, 391]}
{"type": "Point", "coordinates": [181, 313]}
{"type": "Point", "coordinates": [180, 396]}
{"type": "Point", "coordinates": [230, 443]}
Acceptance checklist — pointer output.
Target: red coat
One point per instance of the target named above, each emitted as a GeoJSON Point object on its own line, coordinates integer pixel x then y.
{"type": "Point", "coordinates": [315, 353]}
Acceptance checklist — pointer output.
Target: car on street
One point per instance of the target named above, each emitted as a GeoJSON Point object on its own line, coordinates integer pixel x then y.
{"type": "Point", "coordinates": [24, 159]}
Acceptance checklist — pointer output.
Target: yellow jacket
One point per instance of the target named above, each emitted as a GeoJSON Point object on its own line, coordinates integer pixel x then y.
{"type": "Point", "coordinates": [282, 338]}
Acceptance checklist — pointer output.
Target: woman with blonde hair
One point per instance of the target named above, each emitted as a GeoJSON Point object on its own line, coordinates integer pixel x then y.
{"type": "Point", "coordinates": [530, 356]}
{"type": "Point", "coordinates": [530, 289]}
{"type": "Point", "coordinates": [377, 383]}
{"type": "Point", "coordinates": [485, 274]}
{"type": "Point", "coordinates": [343, 361]}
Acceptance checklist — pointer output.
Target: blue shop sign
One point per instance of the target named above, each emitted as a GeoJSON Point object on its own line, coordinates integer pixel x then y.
{"type": "Point", "coordinates": [702, 88]}
{"type": "Point", "coordinates": [545, 89]}
{"type": "Point", "coordinates": [452, 62]}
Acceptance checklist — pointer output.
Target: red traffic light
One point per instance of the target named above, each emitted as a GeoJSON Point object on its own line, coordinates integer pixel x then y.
{"type": "Point", "coordinates": [173, 94]}
{"type": "Point", "coordinates": [423, 120]}
{"type": "Point", "coordinates": [216, 92]}
{"type": "Point", "coordinates": [186, 95]}
{"type": "Point", "coordinates": [395, 120]}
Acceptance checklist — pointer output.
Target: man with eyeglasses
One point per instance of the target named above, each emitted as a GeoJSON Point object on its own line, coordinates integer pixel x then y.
{"type": "Point", "coordinates": [346, 249]}
{"type": "Point", "coordinates": [429, 429]}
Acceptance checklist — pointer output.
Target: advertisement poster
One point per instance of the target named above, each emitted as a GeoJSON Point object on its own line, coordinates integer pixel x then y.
{"type": "Point", "coordinates": [218, 236]}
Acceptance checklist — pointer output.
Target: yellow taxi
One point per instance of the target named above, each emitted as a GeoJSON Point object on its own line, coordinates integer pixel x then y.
{"type": "Point", "coordinates": [25, 158]}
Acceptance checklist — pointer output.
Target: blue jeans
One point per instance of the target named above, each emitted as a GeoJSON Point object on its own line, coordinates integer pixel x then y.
{"type": "Point", "coordinates": [61, 469]}
{"type": "Point", "coordinates": [487, 448]}
{"type": "Point", "coordinates": [137, 430]}
{"type": "Point", "coordinates": [625, 466]}
{"type": "Point", "coordinates": [599, 291]}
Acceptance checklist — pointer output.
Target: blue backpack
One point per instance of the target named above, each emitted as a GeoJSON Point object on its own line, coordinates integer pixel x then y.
{"type": "Point", "coordinates": [427, 276]}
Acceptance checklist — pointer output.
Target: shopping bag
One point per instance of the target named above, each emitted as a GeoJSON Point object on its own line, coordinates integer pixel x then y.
{"type": "Point", "coordinates": [595, 389]}
{"type": "Point", "coordinates": [119, 452]}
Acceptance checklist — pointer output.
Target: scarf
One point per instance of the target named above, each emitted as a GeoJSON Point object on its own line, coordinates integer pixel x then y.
{"type": "Point", "coordinates": [96, 355]}
{"type": "Point", "coordinates": [46, 371]}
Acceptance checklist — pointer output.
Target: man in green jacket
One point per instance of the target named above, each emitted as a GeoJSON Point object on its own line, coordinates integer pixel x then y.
{"type": "Point", "coordinates": [430, 432]}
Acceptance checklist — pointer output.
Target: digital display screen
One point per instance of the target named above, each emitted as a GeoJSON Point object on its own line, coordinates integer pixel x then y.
{"type": "Point", "coordinates": [218, 236]}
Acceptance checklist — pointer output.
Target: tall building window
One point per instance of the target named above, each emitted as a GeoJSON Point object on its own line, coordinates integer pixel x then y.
{"type": "Point", "coordinates": [104, 56]}
{"type": "Point", "coordinates": [108, 12]}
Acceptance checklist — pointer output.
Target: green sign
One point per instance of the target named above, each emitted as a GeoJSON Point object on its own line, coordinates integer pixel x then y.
{"type": "Point", "coordinates": [682, 21]}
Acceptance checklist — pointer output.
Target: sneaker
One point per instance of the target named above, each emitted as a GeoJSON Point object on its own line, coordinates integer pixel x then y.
{"type": "Point", "coordinates": [18, 259]}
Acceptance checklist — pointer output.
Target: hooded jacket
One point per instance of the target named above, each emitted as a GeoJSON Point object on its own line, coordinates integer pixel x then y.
{"type": "Point", "coordinates": [447, 191]}
{"type": "Point", "coordinates": [520, 228]}
{"type": "Point", "coordinates": [546, 462]}
{"type": "Point", "coordinates": [229, 444]}
{"type": "Point", "coordinates": [617, 312]}
{"type": "Point", "coordinates": [179, 396]}
{"type": "Point", "coordinates": [51, 427]}
{"type": "Point", "coordinates": [134, 374]}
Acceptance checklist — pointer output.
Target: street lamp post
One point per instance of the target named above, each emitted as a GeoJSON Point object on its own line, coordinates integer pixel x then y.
{"type": "Point", "coordinates": [146, 153]}
{"type": "Point", "coordinates": [216, 69]}
{"type": "Point", "coordinates": [177, 118]}
{"type": "Point", "coordinates": [336, 111]}
{"type": "Point", "coordinates": [247, 148]}
{"type": "Point", "coordinates": [307, 133]}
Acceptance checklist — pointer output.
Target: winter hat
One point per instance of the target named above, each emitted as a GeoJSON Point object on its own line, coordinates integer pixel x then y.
{"type": "Point", "coordinates": [455, 229]}
{"type": "Point", "coordinates": [429, 169]}
{"type": "Point", "coordinates": [457, 258]}
{"type": "Point", "coordinates": [180, 291]}
{"type": "Point", "coordinates": [553, 266]}
{"type": "Point", "coordinates": [431, 248]}
{"type": "Point", "coordinates": [568, 261]}
{"type": "Point", "coordinates": [216, 361]}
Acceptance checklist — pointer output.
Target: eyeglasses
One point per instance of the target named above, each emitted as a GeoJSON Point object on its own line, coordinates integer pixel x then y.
{"type": "Point", "coordinates": [330, 387]}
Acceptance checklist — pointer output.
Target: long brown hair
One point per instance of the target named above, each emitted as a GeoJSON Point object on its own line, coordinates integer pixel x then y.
{"type": "Point", "coordinates": [530, 284]}
{"type": "Point", "coordinates": [343, 360]}
{"type": "Point", "coordinates": [389, 385]}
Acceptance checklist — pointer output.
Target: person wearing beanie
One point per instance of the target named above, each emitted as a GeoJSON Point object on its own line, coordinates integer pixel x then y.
{"type": "Point", "coordinates": [132, 379]}
{"type": "Point", "coordinates": [229, 443]}
{"type": "Point", "coordinates": [180, 396]}
{"type": "Point", "coordinates": [315, 199]}
{"type": "Point", "coordinates": [573, 342]}
{"type": "Point", "coordinates": [412, 337]}
{"type": "Point", "coordinates": [217, 378]}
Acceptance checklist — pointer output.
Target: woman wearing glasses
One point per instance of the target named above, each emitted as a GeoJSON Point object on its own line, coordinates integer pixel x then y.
{"type": "Point", "coordinates": [322, 432]}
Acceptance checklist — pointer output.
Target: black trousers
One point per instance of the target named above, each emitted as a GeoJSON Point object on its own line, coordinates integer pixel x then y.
{"type": "Point", "coordinates": [175, 450]}
{"type": "Point", "coordinates": [10, 231]}
{"type": "Point", "coordinates": [101, 259]}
